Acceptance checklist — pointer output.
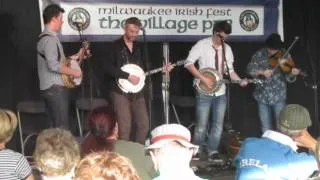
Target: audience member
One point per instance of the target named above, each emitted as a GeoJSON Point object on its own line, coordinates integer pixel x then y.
{"type": "Point", "coordinates": [13, 165]}
{"type": "Point", "coordinates": [56, 154]}
{"type": "Point", "coordinates": [104, 136]}
{"type": "Point", "coordinates": [171, 152]}
{"type": "Point", "coordinates": [274, 155]}
{"type": "Point", "coordinates": [105, 165]}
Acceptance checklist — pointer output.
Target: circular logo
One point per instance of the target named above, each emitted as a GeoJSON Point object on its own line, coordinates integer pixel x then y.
{"type": "Point", "coordinates": [249, 20]}
{"type": "Point", "coordinates": [79, 19]}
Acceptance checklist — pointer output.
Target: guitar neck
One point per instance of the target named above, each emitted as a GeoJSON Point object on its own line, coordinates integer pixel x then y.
{"type": "Point", "coordinates": [178, 63]}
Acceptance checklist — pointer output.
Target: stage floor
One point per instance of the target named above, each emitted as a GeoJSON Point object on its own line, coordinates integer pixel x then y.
{"type": "Point", "coordinates": [222, 170]}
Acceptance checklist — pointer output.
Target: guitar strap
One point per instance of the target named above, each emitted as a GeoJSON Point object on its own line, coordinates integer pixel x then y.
{"type": "Point", "coordinates": [41, 54]}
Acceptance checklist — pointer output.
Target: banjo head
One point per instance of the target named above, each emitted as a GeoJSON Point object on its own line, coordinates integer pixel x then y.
{"type": "Point", "coordinates": [75, 65]}
{"type": "Point", "coordinates": [212, 74]}
{"type": "Point", "coordinates": [125, 85]}
{"type": "Point", "coordinates": [69, 81]}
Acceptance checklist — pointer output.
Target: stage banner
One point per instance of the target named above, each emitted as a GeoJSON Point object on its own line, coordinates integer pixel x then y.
{"type": "Point", "coordinates": [169, 20]}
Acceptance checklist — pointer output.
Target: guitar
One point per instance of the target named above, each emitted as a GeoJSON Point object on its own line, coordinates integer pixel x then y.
{"type": "Point", "coordinates": [126, 86]}
{"type": "Point", "coordinates": [69, 81]}
{"type": "Point", "coordinates": [217, 80]}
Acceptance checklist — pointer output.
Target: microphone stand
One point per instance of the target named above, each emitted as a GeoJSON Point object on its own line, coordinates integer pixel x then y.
{"type": "Point", "coordinates": [314, 85]}
{"type": "Point", "coordinates": [90, 70]}
{"type": "Point", "coordinates": [228, 124]}
{"type": "Point", "coordinates": [166, 83]}
{"type": "Point", "coordinates": [146, 60]}
{"type": "Point", "coordinates": [90, 74]}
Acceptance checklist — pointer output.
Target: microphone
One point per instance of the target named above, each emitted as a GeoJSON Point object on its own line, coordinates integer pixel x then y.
{"type": "Point", "coordinates": [78, 25]}
{"type": "Point", "coordinates": [143, 30]}
{"type": "Point", "coordinates": [220, 36]}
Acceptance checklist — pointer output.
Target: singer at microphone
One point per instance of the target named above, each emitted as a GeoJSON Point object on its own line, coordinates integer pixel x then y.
{"type": "Point", "coordinates": [221, 36]}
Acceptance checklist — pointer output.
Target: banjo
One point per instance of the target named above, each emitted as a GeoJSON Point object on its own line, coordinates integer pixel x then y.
{"type": "Point", "coordinates": [126, 86]}
{"type": "Point", "coordinates": [69, 81]}
{"type": "Point", "coordinates": [217, 79]}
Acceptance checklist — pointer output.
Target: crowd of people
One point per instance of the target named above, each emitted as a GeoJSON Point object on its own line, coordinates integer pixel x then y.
{"type": "Point", "coordinates": [59, 156]}
{"type": "Point", "coordinates": [109, 151]}
{"type": "Point", "coordinates": [166, 154]}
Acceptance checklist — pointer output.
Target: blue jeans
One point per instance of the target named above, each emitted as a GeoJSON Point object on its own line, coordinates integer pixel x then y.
{"type": "Point", "coordinates": [57, 101]}
{"type": "Point", "coordinates": [204, 104]}
{"type": "Point", "coordinates": [269, 112]}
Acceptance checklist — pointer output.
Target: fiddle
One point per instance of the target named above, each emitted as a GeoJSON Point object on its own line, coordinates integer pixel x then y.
{"type": "Point", "coordinates": [283, 61]}
{"type": "Point", "coordinates": [278, 60]}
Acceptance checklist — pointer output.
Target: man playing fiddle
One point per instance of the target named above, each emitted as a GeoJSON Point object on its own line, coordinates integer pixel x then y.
{"type": "Point", "coordinates": [271, 94]}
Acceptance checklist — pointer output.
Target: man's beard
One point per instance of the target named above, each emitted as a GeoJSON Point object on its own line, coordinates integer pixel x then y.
{"type": "Point", "coordinates": [132, 38]}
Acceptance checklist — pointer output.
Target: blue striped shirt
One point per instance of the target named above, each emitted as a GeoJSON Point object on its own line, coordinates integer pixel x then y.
{"type": "Point", "coordinates": [13, 165]}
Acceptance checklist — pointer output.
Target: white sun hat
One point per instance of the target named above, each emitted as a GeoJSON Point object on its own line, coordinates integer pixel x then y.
{"type": "Point", "coordinates": [165, 133]}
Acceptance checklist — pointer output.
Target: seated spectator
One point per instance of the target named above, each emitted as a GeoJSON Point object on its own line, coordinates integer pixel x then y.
{"type": "Point", "coordinates": [105, 165]}
{"type": "Point", "coordinates": [104, 136]}
{"type": "Point", "coordinates": [307, 141]}
{"type": "Point", "coordinates": [274, 155]}
{"type": "Point", "coordinates": [56, 154]}
{"type": "Point", "coordinates": [171, 152]}
{"type": "Point", "coordinates": [13, 165]}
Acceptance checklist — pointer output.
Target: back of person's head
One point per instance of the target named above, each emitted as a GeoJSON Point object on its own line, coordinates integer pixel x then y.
{"type": "Point", "coordinates": [102, 122]}
{"type": "Point", "coordinates": [170, 141]}
{"type": "Point", "coordinates": [8, 124]}
{"type": "Point", "coordinates": [222, 26]}
{"type": "Point", "coordinates": [134, 21]}
{"type": "Point", "coordinates": [52, 10]}
{"type": "Point", "coordinates": [105, 165]}
{"type": "Point", "coordinates": [163, 134]}
{"type": "Point", "coordinates": [56, 152]}
{"type": "Point", "coordinates": [294, 118]}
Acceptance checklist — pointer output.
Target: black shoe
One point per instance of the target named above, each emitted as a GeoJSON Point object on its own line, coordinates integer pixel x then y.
{"type": "Point", "coordinates": [216, 158]}
{"type": "Point", "coordinates": [197, 156]}
{"type": "Point", "coordinates": [200, 156]}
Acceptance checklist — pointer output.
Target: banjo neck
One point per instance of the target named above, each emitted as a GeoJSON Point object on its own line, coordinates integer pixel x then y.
{"type": "Point", "coordinates": [86, 46]}
{"type": "Point", "coordinates": [178, 63]}
{"type": "Point", "coordinates": [227, 81]}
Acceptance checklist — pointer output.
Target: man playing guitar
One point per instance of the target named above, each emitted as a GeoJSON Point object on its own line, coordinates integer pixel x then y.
{"type": "Point", "coordinates": [51, 67]}
{"type": "Point", "coordinates": [211, 52]}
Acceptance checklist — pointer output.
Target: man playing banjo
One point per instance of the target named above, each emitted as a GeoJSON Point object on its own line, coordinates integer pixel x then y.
{"type": "Point", "coordinates": [213, 54]}
{"type": "Point", "coordinates": [51, 68]}
{"type": "Point", "coordinates": [130, 107]}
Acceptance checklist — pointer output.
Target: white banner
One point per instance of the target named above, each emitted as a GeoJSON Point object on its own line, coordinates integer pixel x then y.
{"type": "Point", "coordinates": [165, 21]}
{"type": "Point", "coordinates": [107, 18]}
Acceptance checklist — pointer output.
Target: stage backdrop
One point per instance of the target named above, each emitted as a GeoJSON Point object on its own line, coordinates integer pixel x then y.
{"type": "Point", "coordinates": [169, 20]}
